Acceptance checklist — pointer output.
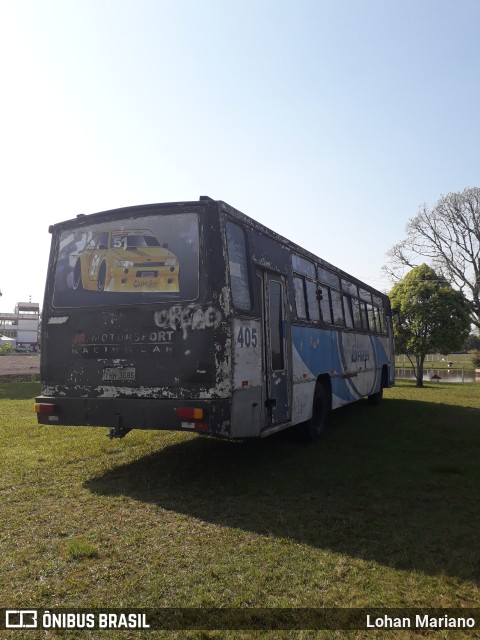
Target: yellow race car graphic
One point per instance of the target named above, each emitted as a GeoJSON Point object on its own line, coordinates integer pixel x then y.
{"type": "Point", "coordinates": [130, 260]}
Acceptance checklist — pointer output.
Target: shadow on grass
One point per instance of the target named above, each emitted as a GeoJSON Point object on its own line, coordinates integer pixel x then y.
{"type": "Point", "coordinates": [398, 484]}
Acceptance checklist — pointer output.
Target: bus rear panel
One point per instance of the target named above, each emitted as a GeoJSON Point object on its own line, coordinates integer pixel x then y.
{"type": "Point", "coordinates": [133, 332]}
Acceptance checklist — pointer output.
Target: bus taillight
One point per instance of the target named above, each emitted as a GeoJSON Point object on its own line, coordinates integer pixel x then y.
{"type": "Point", "coordinates": [190, 413]}
{"type": "Point", "coordinates": [47, 408]}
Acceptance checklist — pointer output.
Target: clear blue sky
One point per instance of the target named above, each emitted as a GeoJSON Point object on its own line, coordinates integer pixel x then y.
{"type": "Point", "coordinates": [328, 121]}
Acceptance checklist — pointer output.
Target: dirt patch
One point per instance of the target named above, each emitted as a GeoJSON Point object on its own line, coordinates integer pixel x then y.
{"type": "Point", "coordinates": [20, 367]}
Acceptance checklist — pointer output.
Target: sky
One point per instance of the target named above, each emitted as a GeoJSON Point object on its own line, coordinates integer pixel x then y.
{"type": "Point", "coordinates": [329, 121]}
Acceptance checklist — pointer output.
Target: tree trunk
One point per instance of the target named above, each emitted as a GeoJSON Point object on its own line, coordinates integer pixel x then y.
{"type": "Point", "coordinates": [419, 371]}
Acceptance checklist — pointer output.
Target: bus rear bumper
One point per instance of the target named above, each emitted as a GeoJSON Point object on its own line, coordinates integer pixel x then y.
{"type": "Point", "coordinates": [123, 414]}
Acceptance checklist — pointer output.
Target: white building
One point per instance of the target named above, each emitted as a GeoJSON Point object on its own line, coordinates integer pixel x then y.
{"type": "Point", "coordinates": [22, 325]}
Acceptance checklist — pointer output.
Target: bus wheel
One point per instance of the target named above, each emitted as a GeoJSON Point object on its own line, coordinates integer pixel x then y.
{"type": "Point", "coordinates": [314, 428]}
{"type": "Point", "coordinates": [77, 276]}
{"type": "Point", "coordinates": [376, 398]}
{"type": "Point", "coordinates": [102, 272]}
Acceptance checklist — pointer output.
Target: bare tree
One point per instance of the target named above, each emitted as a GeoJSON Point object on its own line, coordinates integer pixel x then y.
{"type": "Point", "coordinates": [448, 236]}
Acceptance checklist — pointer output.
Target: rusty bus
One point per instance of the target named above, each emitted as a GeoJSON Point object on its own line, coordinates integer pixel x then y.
{"type": "Point", "coordinates": [193, 316]}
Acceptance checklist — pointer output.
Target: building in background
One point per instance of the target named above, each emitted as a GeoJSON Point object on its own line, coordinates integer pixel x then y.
{"type": "Point", "coordinates": [22, 325]}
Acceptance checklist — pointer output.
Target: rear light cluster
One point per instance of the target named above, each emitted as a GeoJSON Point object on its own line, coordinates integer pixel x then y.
{"type": "Point", "coordinates": [46, 411]}
{"type": "Point", "coordinates": [46, 408]}
{"type": "Point", "coordinates": [195, 417]}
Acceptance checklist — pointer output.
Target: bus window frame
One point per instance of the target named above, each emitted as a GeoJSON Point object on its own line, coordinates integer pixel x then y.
{"type": "Point", "coordinates": [254, 309]}
{"type": "Point", "coordinates": [308, 275]}
{"type": "Point", "coordinates": [306, 299]}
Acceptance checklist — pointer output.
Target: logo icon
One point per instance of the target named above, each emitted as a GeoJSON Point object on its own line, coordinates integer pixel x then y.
{"type": "Point", "coordinates": [20, 619]}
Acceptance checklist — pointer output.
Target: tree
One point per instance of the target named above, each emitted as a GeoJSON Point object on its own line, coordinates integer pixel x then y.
{"type": "Point", "coordinates": [432, 316]}
{"type": "Point", "coordinates": [476, 358]}
{"type": "Point", "coordinates": [448, 235]}
{"type": "Point", "coordinates": [472, 343]}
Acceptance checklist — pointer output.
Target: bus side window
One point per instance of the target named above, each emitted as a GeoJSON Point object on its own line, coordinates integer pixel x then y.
{"type": "Point", "coordinates": [337, 308]}
{"type": "Point", "coordinates": [312, 300]}
{"type": "Point", "coordinates": [363, 313]}
{"type": "Point", "coordinates": [237, 257]}
{"type": "Point", "coordinates": [300, 298]}
{"type": "Point", "coordinates": [357, 318]}
{"type": "Point", "coordinates": [349, 287]}
{"type": "Point", "coordinates": [371, 317]}
{"type": "Point", "coordinates": [325, 305]}
{"type": "Point", "coordinates": [380, 320]}
{"type": "Point", "coordinates": [348, 312]}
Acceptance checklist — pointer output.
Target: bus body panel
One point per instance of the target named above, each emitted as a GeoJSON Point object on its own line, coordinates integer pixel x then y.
{"type": "Point", "coordinates": [248, 391]}
{"type": "Point", "coordinates": [353, 361]}
{"type": "Point", "coordinates": [126, 413]}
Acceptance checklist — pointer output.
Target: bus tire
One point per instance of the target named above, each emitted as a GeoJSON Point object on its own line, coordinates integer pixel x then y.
{"type": "Point", "coordinates": [376, 398]}
{"type": "Point", "coordinates": [102, 274]}
{"type": "Point", "coordinates": [77, 276]}
{"type": "Point", "coordinates": [314, 428]}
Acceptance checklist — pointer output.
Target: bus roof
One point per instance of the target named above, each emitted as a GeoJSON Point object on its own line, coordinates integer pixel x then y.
{"type": "Point", "coordinates": [231, 211]}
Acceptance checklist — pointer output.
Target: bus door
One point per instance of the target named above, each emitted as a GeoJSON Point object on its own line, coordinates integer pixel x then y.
{"type": "Point", "coordinates": [275, 329]}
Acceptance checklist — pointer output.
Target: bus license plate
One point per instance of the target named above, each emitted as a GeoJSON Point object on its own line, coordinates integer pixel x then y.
{"type": "Point", "coordinates": [112, 374]}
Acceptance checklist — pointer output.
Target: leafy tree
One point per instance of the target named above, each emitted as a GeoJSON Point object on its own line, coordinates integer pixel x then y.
{"type": "Point", "coordinates": [433, 316]}
{"type": "Point", "coordinates": [476, 359]}
{"type": "Point", "coordinates": [472, 343]}
{"type": "Point", "coordinates": [5, 349]}
{"type": "Point", "coordinates": [448, 236]}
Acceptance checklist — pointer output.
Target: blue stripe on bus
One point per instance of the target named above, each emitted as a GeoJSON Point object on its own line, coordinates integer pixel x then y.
{"type": "Point", "coordinates": [320, 351]}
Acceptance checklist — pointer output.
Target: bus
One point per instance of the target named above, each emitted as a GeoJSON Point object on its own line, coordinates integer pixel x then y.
{"type": "Point", "coordinates": [193, 316]}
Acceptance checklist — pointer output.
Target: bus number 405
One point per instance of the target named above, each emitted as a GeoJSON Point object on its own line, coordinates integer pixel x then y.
{"type": "Point", "coordinates": [247, 337]}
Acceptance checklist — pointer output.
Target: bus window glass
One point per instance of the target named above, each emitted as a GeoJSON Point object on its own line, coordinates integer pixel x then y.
{"type": "Point", "coordinates": [363, 313]}
{"type": "Point", "coordinates": [300, 298]}
{"type": "Point", "coordinates": [276, 324]}
{"type": "Point", "coordinates": [371, 317]}
{"type": "Point", "coordinates": [365, 295]}
{"type": "Point", "coordinates": [237, 257]}
{"type": "Point", "coordinates": [380, 320]}
{"type": "Point", "coordinates": [357, 318]}
{"type": "Point", "coordinates": [325, 306]}
{"type": "Point", "coordinates": [313, 310]}
{"type": "Point", "coordinates": [327, 277]}
{"type": "Point", "coordinates": [300, 265]}
{"type": "Point", "coordinates": [147, 259]}
{"type": "Point", "coordinates": [348, 312]}
{"type": "Point", "coordinates": [337, 308]}
{"type": "Point", "coordinates": [349, 287]}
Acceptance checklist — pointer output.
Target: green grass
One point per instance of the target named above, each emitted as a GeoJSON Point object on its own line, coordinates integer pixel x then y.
{"type": "Point", "coordinates": [383, 511]}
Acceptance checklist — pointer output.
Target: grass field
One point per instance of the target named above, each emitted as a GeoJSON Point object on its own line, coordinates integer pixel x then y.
{"type": "Point", "coordinates": [383, 511]}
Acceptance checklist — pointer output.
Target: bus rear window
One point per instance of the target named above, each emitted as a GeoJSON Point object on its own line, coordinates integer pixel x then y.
{"type": "Point", "coordinates": [128, 261]}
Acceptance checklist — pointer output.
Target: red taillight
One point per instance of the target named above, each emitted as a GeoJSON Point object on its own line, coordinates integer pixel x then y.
{"type": "Point", "coordinates": [190, 413]}
{"type": "Point", "coordinates": [47, 408]}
